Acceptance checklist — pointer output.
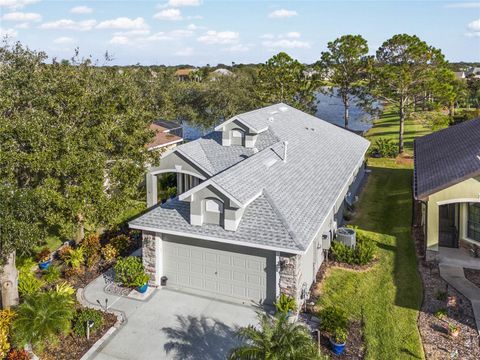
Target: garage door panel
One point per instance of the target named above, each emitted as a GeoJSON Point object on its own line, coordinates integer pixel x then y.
{"type": "Point", "coordinates": [216, 272]}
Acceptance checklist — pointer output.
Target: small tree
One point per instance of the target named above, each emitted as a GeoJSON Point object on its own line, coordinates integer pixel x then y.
{"type": "Point", "coordinates": [407, 70]}
{"type": "Point", "coordinates": [275, 338]}
{"type": "Point", "coordinates": [345, 64]}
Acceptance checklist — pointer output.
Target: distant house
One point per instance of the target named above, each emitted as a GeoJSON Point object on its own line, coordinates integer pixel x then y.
{"type": "Point", "coordinates": [447, 183]}
{"type": "Point", "coordinates": [168, 135]}
{"type": "Point", "coordinates": [220, 72]}
{"type": "Point", "coordinates": [309, 73]}
{"type": "Point", "coordinates": [187, 74]}
{"type": "Point", "coordinates": [459, 75]}
{"type": "Point", "coordinates": [474, 71]}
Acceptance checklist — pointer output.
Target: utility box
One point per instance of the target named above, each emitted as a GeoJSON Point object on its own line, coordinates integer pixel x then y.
{"type": "Point", "coordinates": [326, 242]}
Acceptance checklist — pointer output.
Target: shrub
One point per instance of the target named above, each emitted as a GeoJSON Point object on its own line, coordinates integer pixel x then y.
{"type": "Point", "coordinates": [363, 253]}
{"type": "Point", "coordinates": [64, 289]}
{"type": "Point", "coordinates": [71, 272]}
{"type": "Point", "coordinates": [64, 251]}
{"type": "Point", "coordinates": [74, 258]}
{"type": "Point", "coordinates": [43, 255]}
{"type": "Point", "coordinates": [340, 336]}
{"type": "Point", "coordinates": [121, 243]}
{"type": "Point", "coordinates": [82, 317]}
{"type": "Point", "coordinates": [441, 295]}
{"type": "Point", "coordinates": [285, 303]}
{"type": "Point", "coordinates": [384, 148]}
{"type": "Point", "coordinates": [91, 249]}
{"type": "Point", "coordinates": [333, 318]}
{"type": "Point", "coordinates": [41, 318]}
{"type": "Point", "coordinates": [51, 275]}
{"type": "Point", "coordinates": [6, 318]}
{"type": "Point", "coordinates": [130, 272]}
{"type": "Point", "coordinates": [18, 354]}
{"type": "Point", "coordinates": [109, 253]}
{"type": "Point", "coordinates": [28, 283]}
{"type": "Point", "coordinates": [441, 314]}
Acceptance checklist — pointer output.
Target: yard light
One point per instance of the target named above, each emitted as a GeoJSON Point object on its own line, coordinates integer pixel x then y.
{"type": "Point", "coordinates": [89, 326]}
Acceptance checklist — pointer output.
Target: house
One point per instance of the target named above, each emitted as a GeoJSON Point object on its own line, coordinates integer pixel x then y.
{"type": "Point", "coordinates": [187, 74]}
{"type": "Point", "coordinates": [220, 73]}
{"type": "Point", "coordinates": [474, 72]}
{"type": "Point", "coordinates": [459, 75]}
{"type": "Point", "coordinates": [259, 200]}
{"type": "Point", "coordinates": [447, 183]}
{"type": "Point", "coordinates": [167, 135]}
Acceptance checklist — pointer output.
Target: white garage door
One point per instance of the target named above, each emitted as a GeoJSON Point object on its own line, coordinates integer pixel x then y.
{"type": "Point", "coordinates": [216, 273]}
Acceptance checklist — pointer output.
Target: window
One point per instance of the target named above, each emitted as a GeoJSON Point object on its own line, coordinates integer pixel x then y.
{"type": "Point", "coordinates": [474, 221]}
{"type": "Point", "coordinates": [213, 206]}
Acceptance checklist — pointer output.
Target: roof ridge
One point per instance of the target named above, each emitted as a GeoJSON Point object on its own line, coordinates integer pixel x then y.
{"type": "Point", "coordinates": [282, 218]}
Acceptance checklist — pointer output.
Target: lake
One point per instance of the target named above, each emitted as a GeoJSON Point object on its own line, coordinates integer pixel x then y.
{"type": "Point", "coordinates": [329, 108]}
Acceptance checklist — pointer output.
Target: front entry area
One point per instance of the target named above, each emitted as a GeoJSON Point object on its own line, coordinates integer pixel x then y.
{"type": "Point", "coordinates": [219, 270]}
{"type": "Point", "coordinates": [448, 225]}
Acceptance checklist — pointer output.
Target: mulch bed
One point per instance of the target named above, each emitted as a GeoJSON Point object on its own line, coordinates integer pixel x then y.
{"type": "Point", "coordinates": [354, 349]}
{"type": "Point", "coordinates": [71, 347]}
{"type": "Point", "coordinates": [437, 343]}
{"type": "Point", "coordinates": [472, 275]}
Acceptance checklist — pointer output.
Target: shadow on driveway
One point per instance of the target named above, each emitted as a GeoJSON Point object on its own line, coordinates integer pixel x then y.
{"type": "Point", "coordinates": [200, 338]}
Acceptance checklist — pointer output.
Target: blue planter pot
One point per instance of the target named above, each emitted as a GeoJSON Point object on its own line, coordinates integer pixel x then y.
{"type": "Point", "coordinates": [143, 289]}
{"type": "Point", "coordinates": [44, 265]}
{"type": "Point", "coordinates": [337, 348]}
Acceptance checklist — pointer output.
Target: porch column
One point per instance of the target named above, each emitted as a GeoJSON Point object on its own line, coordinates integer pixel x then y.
{"type": "Point", "coordinates": [152, 256]}
{"type": "Point", "coordinates": [152, 197]}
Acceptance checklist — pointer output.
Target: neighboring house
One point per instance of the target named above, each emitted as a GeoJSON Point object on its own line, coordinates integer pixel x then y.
{"type": "Point", "coordinates": [474, 72]}
{"type": "Point", "coordinates": [259, 201]}
{"type": "Point", "coordinates": [447, 182]}
{"type": "Point", "coordinates": [459, 75]}
{"type": "Point", "coordinates": [220, 72]}
{"type": "Point", "coordinates": [168, 135]}
{"type": "Point", "coordinates": [187, 74]}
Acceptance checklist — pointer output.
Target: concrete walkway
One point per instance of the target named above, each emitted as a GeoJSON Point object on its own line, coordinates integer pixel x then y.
{"type": "Point", "coordinates": [454, 275]}
{"type": "Point", "coordinates": [169, 325]}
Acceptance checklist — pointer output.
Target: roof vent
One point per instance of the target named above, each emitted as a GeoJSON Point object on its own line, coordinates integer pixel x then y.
{"type": "Point", "coordinates": [270, 119]}
{"type": "Point", "coordinates": [285, 143]}
{"type": "Point", "coordinates": [273, 112]}
{"type": "Point", "coordinates": [269, 162]}
{"type": "Point", "coordinates": [283, 108]}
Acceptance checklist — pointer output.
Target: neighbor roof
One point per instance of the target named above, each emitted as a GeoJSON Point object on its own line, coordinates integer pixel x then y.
{"type": "Point", "coordinates": [446, 157]}
{"type": "Point", "coordinates": [299, 167]}
{"type": "Point", "coordinates": [162, 137]}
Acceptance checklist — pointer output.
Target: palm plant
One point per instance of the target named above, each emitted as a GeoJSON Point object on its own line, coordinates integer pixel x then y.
{"type": "Point", "coordinates": [275, 339]}
{"type": "Point", "coordinates": [42, 317]}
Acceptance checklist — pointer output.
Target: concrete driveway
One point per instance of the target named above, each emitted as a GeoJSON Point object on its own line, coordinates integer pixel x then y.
{"type": "Point", "coordinates": [175, 325]}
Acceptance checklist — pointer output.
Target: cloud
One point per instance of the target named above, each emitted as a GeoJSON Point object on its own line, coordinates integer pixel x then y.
{"type": "Point", "coordinates": [23, 25]}
{"type": "Point", "coordinates": [81, 10]}
{"type": "Point", "coordinates": [464, 5]}
{"type": "Point", "coordinates": [68, 24]}
{"type": "Point", "coordinates": [238, 48]}
{"type": "Point", "coordinates": [219, 37]}
{"type": "Point", "coordinates": [179, 3]}
{"type": "Point", "coordinates": [168, 14]}
{"type": "Point", "coordinates": [16, 4]}
{"type": "Point", "coordinates": [123, 23]}
{"type": "Point", "coordinates": [8, 33]}
{"type": "Point", "coordinates": [282, 13]}
{"type": "Point", "coordinates": [473, 28]}
{"type": "Point", "coordinates": [267, 36]}
{"type": "Point", "coordinates": [140, 37]}
{"type": "Point", "coordinates": [188, 51]}
{"type": "Point", "coordinates": [286, 44]}
{"type": "Point", "coordinates": [22, 17]}
{"type": "Point", "coordinates": [63, 40]}
{"type": "Point", "coordinates": [293, 35]}
{"type": "Point", "coordinates": [119, 40]}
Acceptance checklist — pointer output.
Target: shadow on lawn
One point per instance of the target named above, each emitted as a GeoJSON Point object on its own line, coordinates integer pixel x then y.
{"type": "Point", "coordinates": [200, 338]}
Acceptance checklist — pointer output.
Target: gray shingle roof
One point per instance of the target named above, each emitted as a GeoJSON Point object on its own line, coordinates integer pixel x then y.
{"type": "Point", "coordinates": [446, 157]}
{"type": "Point", "coordinates": [300, 192]}
{"type": "Point", "coordinates": [208, 152]}
{"type": "Point", "coordinates": [260, 224]}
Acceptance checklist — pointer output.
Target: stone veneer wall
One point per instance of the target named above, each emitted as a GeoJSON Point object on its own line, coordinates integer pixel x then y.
{"type": "Point", "coordinates": [290, 276]}
{"type": "Point", "coordinates": [148, 255]}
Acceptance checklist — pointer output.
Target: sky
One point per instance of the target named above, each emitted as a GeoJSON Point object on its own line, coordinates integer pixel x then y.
{"type": "Point", "coordinates": [200, 32]}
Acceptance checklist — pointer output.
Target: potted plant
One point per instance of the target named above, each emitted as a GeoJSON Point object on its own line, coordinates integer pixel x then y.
{"type": "Point", "coordinates": [453, 330]}
{"type": "Point", "coordinates": [141, 282]}
{"type": "Point", "coordinates": [338, 341]}
{"type": "Point", "coordinates": [286, 305]}
{"type": "Point", "coordinates": [44, 259]}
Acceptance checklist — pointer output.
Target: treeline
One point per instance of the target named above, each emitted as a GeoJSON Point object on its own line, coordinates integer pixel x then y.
{"type": "Point", "coordinates": [73, 133]}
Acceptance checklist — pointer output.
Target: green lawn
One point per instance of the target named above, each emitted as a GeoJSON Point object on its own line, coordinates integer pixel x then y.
{"type": "Point", "coordinates": [388, 296]}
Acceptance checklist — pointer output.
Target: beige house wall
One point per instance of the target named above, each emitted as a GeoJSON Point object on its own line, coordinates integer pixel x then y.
{"type": "Point", "coordinates": [462, 193]}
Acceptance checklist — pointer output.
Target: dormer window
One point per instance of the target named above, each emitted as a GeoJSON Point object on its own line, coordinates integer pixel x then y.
{"type": "Point", "coordinates": [213, 211]}
{"type": "Point", "coordinates": [238, 137]}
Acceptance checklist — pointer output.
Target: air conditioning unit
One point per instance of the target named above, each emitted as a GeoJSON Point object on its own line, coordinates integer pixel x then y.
{"type": "Point", "coordinates": [346, 236]}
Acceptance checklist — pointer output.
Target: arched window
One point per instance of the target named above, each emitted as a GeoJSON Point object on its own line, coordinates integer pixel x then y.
{"type": "Point", "coordinates": [213, 211]}
{"type": "Point", "coordinates": [238, 137]}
